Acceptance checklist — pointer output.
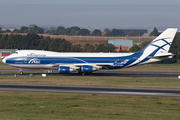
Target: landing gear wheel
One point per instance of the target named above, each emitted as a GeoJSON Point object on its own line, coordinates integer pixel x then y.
{"type": "Point", "coordinates": [20, 72]}
{"type": "Point", "coordinates": [82, 73]}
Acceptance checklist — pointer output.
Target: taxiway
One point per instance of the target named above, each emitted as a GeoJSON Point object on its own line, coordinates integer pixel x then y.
{"type": "Point", "coordinates": [92, 90]}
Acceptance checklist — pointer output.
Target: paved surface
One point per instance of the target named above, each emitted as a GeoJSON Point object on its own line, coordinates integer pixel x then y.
{"type": "Point", "coordinates": [92, 90]}
{"type": "Point", "coordinates": [103, 73]}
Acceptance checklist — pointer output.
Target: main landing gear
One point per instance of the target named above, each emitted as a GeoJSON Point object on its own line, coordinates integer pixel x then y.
{"type": "Point", "coordinates": [20, 72]}
{"type": "Point", "coordinates": [83, 73]}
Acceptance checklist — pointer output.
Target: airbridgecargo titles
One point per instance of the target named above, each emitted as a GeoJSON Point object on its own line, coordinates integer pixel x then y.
{"type": "Point", "coordinates": [88, 62]}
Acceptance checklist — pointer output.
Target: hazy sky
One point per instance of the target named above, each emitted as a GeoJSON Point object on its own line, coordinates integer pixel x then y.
{"type": "Point", "coordinates": [92, 13]}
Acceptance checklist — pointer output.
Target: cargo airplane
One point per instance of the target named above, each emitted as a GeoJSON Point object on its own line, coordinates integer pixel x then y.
{"type": "Point", "coordinates": [89, 62]}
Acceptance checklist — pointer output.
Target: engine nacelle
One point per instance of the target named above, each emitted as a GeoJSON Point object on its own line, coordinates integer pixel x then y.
{"type": "Point", "coordinates": [64, 69]}
{"type": "Point", "coordinates": [86, 69]}
{"type": "Point", "coordinates": [67, 69]}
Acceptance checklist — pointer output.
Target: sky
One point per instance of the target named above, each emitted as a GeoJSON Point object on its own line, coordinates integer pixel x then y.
{"type": "Point", "coordinates": [92, 14]}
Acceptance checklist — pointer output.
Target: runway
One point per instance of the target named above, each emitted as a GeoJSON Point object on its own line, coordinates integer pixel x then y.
{"type": "Point", "coordinates": [92, 90]}
{"type": "Point", "coordinates": [98, 73]}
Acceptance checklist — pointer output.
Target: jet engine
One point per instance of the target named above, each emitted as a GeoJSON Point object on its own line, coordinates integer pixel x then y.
{"type": "Point", "coordinates": [86, 69]}
{"type": "Point", "coordinates": [66, 69]}
{"type": "Point", "coordinates": [89, 68]}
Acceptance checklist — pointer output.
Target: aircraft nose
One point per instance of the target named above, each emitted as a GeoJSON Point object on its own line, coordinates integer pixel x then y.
{"type": "Point", "coordinates": [4, 60]}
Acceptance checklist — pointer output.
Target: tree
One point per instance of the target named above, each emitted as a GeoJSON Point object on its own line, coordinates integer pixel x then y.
{"type": "Point", "coordinates": [15, 31]}
{"type": "Point", "coordinates": [134, 48]}
{"type": "Point", "coordinates": [84, 32]}
{"type": "Point", "coordinates": [24, 29]}
{"type": "Point", "coordinates": [101, 48]}
{"type": "Point", "coordinates": [8, 31]}
{"type": "Point", "coordinates": [72, 30]}
{"type": "Point", "coordinates": [132, 33]}
{"type": "Point", "coordinates": [62, 32]}
{"type": "Point", "coordinates": [140, 33]}
{"type": "Point", "coordinates": [60, 28]}
{"type": "Point", "coordinates": [175, 47]}
{"type": "Point", "coordinates": [65, 46]}
{"type": "Point", "coordinates": [10, 42]}
{"type": "Point", "coordinates": [55, 43]}
{"type": "Point", "coordinates": [32, 40]}
{"type": "Point", "coordinates": [76, 48]}
{"type": "Point", "coordinates": [155, 32]}
{"type": "Point", "coordinates": [106, 30]}
{"type": "Point", "coordinates": [3, 40]}
{"type": "Point", "coordinates": [32, 28]}
{"type": "Point", "coordinates": [68, 31]}
{"type": "Point", "coordinates": [96, 32]}
{"type": "Point", "coordinates": [52, 28]}
{"type": "Point", "coordinates": [35, 29]}
{"type": "Point", "coordinates": [40, 30]}
{"type": "Point", "coordinates": [115, 32]}
{"type": "Point", "coordinates": [89, 48]}
{"type": "Point", "coordinates": [44, 43]}
{"type": "Point", "coordinates": [76, 28]}
{"type": "Point", "coordinates": [144, 44]}
{"type": "Point", "coordinates": [1, 30]}
{"type": "Point", "coordinates": [110, 48]}
{"type": "Point", "coordinates": [108, 33]}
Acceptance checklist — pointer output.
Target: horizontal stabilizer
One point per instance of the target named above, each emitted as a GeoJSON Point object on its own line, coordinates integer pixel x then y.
{"type": "Point", "coordinates": [162, 56]}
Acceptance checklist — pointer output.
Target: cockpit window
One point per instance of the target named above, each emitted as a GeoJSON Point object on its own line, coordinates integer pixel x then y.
{"type": "Point", "coordinates": [16, 52]}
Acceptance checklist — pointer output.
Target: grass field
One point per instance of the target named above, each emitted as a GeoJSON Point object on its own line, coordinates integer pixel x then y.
{"type": "Point", "coordinates": [138, 82]}
{"type": "Point", "coordinates": [29, 105]}
{"type": "Point", "coordinates": [43, 105]}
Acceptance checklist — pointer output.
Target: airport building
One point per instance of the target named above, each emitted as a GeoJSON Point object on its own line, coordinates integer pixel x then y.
{"type": "Point", "coordinates": [6, 52]}
{"type": "Point", "coordinates": [121, 44]}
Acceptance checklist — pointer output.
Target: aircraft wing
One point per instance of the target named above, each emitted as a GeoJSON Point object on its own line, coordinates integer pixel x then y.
{"type": "Point", "coordinates": [104, 64]}
{"type": "Point", "coordinates": [99, 65]}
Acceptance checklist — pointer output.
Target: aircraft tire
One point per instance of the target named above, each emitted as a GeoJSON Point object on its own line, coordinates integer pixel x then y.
{"type": "Point", "coordinates": [20, 72]}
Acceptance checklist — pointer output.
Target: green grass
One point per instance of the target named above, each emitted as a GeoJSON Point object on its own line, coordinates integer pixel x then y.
{"type": "Point", "coordinates": [138, 82]}
{"type": "Point", "coordinates": [4, 66]}
{"type": "Point", "coordinates": [30, 105]}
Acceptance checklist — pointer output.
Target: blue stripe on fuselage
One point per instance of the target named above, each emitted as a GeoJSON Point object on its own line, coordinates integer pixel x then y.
{"type": "Point", "coordinates": [118, 61]}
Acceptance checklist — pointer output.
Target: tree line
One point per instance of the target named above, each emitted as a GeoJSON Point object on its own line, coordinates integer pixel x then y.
{"type": "Point", "coordinates": [75, 30]}
{"type": "Point", "coordinates": [36, 42]}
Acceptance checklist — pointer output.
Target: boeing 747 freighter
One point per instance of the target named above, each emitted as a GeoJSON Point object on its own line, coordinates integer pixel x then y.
{"type": "Point", "coordinates": [88, 62]}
